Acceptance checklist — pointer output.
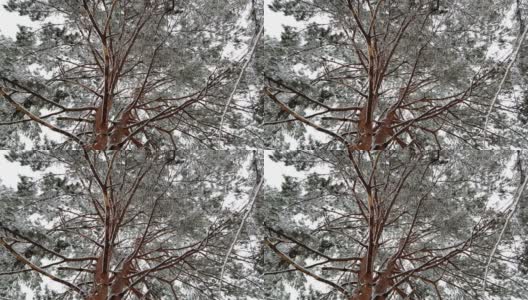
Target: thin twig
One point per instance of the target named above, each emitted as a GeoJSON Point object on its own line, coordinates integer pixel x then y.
{"type": "Point", "coordinates": [513, 208]}
{"type": "Point", "coordinates": [244, 67]}
{"type": "Point", "coordinates": [510, 65]}
{"type": "Point", "coordinates": [256, 190]}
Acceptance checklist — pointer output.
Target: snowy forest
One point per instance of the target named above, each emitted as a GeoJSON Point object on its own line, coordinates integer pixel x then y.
{"type": "Point", "coordinates": [263, 149]}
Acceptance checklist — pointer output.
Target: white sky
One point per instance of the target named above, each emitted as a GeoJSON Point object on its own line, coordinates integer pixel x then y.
{"type": "Point", "coordinates": [274, 172]}
{"type": "Point", "coordinates": [9, 171]}
{"type": "Point", "coordinates": [9, 21]}
{"type": "Point", "coordinates": [273, 21]}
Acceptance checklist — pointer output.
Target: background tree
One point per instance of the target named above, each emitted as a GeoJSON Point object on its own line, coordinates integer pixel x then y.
{"type": "Point", "coordinates": [394, 225]}
{"type": "Point", "coordinates": [378, 74]}
{"type": "Point", "coordinates": [126, 225]}
{"type": "Point", "coordinates": [112, 74]}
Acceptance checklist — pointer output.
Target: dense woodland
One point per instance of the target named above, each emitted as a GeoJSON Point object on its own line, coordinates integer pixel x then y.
{"type": "Point", "coordinates": [398, 225]}
{"type": "Point", "coordinates": [178, 149]}
{"type": "Point", "coordinates": [374, 75]}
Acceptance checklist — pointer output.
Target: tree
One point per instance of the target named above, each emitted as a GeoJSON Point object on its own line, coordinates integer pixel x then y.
{"type": "Point", "coordinates": [126, 225]}
{"type": "Point", "coordinates": [393, 225]}
{"type": "Point", "coordinates": [131, 74]}
{"type": "Point", "coordinates": [112, 102]}
{"type": "Point", "coordinates": [371, 75]}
